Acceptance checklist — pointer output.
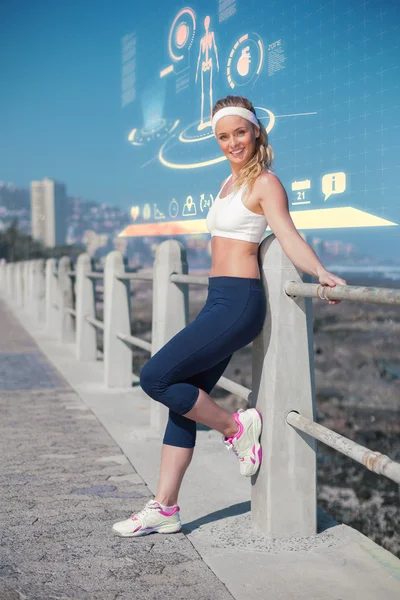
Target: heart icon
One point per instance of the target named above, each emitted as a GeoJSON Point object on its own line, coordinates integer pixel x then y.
{"type": "Point", "coordinates": [135, 212]}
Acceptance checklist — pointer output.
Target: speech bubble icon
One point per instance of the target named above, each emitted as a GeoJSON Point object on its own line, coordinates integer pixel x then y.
{"type": "Point", "coordinates": [135, 212]}
{"type": "Point", "coordinates": [333, 183]}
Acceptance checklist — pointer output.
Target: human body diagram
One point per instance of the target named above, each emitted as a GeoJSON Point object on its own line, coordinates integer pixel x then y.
{"type": "Point", "coordinates": [207, 48]}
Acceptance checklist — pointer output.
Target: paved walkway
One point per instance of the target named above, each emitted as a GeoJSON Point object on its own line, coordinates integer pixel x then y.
{"type": "Point", "coordinates": [63, 482]}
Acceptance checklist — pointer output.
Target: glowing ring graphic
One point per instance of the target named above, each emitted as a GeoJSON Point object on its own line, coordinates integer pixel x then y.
{"type": "Point", "coordinates": [190, 12]}
{"type": "Point", "coordinates": [172, 165]}
{"type": "Point", "coordinates": [138, 137]}
{"type": "Point", "coordinates": [192, 139]}
{"type": "Point", "coordinates": [231, 55]}
{"type": "Point", "coordinates": [213, 161]}
{"type": "Point", "coordinates": [157, 127]}
{"type": "Point", "coordinates": [271, 118]}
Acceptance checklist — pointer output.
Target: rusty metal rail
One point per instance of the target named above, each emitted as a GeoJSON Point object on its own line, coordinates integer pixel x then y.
{"type": "Point", "coordinates": [354, 293]}
{"type": "Point", "coordinates": [374, 461]}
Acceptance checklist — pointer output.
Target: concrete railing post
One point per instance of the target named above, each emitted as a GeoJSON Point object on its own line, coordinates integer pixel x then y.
{"type": "Point", "coordinates": [283, 500]}
{"type": "Point", "coordinates": [38, 290]}
{"type": "Point", "coordinates": [19, 284]}
{"type": "Point", "coordinates": [27, 298]}
{"type": "Point", "coordinates": [3, 282]}
{"type": "Point", "coordinates": [66, 331]}
{"type": "Point", "coordinates": [24, 285]}
{"type": "Point", "coordinates": [16, 282]}
{"type": "Point", "coordinates": [51, 296]}
{"type": "Point", "coordinates": [170, 308]}
{"type": "Point", "coordinates": [28, 266]}
{"type": "Point", "coordinates": [5, 287]}
{"type": "Point", "coordinates": [86, 345]}
{"type": "Point", "coordinates": [117, 355]}
{"type": "Point", "coordinates": [30, 284]}
{"type": "Point", "coordinates": [10, 280]}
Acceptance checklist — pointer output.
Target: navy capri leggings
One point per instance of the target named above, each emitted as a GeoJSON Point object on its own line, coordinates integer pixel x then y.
{"type": "Point", "coordinates": [196, 357]}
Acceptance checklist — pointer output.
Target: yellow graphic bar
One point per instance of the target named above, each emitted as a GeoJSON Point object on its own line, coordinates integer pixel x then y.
{"type": "Point", "coordinates": [166, 71]}
{"type": "Point", "coordinates": [323, 218]}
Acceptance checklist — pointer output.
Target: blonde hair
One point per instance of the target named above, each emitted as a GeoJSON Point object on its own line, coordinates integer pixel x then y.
{"type": "Point", "coordinates": [263, 156]}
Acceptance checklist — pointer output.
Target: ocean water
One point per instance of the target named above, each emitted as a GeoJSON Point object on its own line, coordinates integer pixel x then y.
{"type": "Point", "coordinates": [387, 272]}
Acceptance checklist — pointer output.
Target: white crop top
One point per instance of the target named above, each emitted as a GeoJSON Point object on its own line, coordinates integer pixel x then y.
{"type": "Point", "coordinates": [228, 217]}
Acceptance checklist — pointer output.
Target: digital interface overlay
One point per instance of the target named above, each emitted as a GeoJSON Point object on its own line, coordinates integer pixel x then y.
{"type": "Point", "coordinates": [324, 78]}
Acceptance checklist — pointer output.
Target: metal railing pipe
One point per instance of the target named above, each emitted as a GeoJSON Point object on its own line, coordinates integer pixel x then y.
{"type": "Point", "coordinates": [197, 280]}
{"type": "Point", "coordinates": [136, 276]}
{"type": "Point", "coordinates": [233, 387]}
{"type": "Point", "coordinates": [135, 341]}
{"type": "Point", "coordinates": [95, 322]}
{"type": "Point", "coordinates": [374, 461]}
{"type": "Point", "coordinates": [95, 275]}
{"type": "Point", "coordinates": [354, 293]}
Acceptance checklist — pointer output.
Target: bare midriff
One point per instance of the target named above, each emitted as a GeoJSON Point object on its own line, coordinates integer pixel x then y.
{"type": "Point", "coordinates": [234, 258]}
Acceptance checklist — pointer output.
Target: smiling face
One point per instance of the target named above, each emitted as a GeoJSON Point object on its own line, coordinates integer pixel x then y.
{"type": "Point", "coordinates": [237, 139]}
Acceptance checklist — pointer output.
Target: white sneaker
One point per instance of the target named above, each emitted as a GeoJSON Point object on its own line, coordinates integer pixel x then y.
{"type": "Point", "coordinates": [151, 519]}
{"type": "Point", "coordinates": [246, 443]}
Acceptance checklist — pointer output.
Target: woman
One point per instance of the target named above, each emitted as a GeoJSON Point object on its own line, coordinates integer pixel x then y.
{"type": "Point", "coordinates": [182, 374]}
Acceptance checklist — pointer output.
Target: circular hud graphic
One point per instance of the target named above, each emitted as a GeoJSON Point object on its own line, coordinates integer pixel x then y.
{"type": "Point", "coordinates": [158, 131]}
{"type": "Point", "coordinates": [181, 34]}
{"type": "Point", "coordinates": [182, 152]}
{"type": "Point", "coordinates": [245, 60]}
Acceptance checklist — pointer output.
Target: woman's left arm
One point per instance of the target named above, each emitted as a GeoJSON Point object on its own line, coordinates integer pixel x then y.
{"type": "Point", "coordinates": [274, 202]}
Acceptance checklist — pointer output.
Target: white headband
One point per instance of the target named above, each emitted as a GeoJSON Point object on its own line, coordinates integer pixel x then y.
{"type": "Point", "coordinates": [234, 111]}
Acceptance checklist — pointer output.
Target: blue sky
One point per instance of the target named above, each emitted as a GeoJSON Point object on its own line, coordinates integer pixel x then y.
{"type": "Point", "coordinates": [60, 102]}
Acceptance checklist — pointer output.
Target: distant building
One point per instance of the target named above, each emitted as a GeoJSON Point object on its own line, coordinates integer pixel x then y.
{"type": "Point", "coordinates": [49, 212]}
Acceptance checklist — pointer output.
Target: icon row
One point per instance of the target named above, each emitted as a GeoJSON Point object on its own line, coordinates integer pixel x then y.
{"type": "Point", "coordinates": [189, 209]}
{"type": "Point", "coordinates": [331, 183]}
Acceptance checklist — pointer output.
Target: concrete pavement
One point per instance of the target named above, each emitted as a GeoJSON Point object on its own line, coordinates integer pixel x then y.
{"type": "Point", "coordinates": [63, 482]}
{"type": "Point", "coordinates": [337, 563]}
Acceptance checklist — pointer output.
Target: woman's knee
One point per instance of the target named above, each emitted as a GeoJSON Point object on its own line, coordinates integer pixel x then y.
{"type": "Point", "coordinates": [150, 380]}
